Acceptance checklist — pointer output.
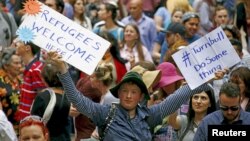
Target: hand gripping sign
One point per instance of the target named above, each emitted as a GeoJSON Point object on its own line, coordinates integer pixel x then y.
{"type": "Point", "coordinates": [53, 31]}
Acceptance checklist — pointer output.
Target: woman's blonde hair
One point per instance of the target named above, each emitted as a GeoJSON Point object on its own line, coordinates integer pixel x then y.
{"type": "Point", "coordinates": [103, 73]}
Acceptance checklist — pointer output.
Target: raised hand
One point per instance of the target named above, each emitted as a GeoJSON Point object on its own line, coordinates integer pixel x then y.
{"type": "Point", "coordinates": [55, 59]}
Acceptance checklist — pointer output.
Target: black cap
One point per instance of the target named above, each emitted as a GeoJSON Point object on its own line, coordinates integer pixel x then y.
{"type": "Point", "coordinates": [176, 27]}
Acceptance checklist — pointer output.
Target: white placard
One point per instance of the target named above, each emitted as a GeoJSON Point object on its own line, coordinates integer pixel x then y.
{"type": "Point", "coordinates": [200, 60]}
{"type": "Point", "coordinates": [53, 31]}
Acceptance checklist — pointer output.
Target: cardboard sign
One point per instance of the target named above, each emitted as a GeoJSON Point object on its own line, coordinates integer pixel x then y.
{"type": "Point", "coordinates": [200, 60]}
{"type": "Point", "coordinates": [53, 31]}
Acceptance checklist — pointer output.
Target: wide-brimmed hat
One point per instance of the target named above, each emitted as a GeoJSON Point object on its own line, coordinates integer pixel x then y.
{"type": "Point", "coordinates": [169, 74]}
{"type": "Point", "coordinates": [135, 77]}
{"type": "Point", "coordinates": [150, 78]}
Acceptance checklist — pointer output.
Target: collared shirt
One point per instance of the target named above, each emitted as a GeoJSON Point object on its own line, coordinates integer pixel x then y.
{"type": "Point", "coordinates": [32, 82]}
{"type": "Point", "coordinates": [147, 29]}
{"type": "Point", "coordinates": [216, 118]}
{"type": "Point", "coordinates": [123, 128]}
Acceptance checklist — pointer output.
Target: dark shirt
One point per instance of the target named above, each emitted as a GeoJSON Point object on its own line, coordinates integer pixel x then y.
{"type": "Point", "coordinates": [216, 118]}
{"type": "Point", "coordinates": [59, 122]}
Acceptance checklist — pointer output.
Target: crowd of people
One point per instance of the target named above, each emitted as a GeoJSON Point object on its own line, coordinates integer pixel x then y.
{"type": "Point", "coordinates": [137, 92]}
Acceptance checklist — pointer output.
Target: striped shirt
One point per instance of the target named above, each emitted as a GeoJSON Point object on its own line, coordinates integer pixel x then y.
{"type": "Point", "coordinates": [32, 82]}
{"type": "Point", "coordinates": [122, 127]}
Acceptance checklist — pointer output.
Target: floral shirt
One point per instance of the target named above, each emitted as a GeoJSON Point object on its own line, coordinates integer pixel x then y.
{"type": "Point", "coordinates": [9, 96]}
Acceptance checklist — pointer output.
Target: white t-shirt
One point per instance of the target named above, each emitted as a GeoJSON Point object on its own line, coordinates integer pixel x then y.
{"type": "Point", "coordinates": [7, 132]}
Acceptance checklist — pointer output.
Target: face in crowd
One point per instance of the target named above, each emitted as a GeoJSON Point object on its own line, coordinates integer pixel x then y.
{"type": "Point", "coordinates": [230, 107]}
{"type": "Point", "coordinates": [130, 95]}
{"type": "Point", "coordinates": [221, 17]}
{"type": "Point", "coordinates": [192, 26]}
{"type": "Point", "coordinates": [200, 102]}
{"type": "Point", "coordinates": [33, 129]}
{"type": "Point", "coordinates": [177, 16]}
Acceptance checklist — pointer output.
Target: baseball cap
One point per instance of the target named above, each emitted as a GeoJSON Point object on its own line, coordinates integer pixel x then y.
{"type": "Point", "coordinates": [176, 27]}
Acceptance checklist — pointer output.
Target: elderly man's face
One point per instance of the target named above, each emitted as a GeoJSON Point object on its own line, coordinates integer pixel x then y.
{"type": "Point", "coordinates": [135, 8]}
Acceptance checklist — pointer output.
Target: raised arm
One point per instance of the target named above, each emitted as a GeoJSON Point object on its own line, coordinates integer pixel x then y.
{"type": "Point", "coordinates": [179, 97]}
{"type": "Point", "coordinates": [83, 104]}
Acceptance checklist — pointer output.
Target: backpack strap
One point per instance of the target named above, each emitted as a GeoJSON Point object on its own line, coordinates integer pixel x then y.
{"type": "Point", "coordinates": [50, 107]}
{"type": "Point", "coordinates": [109, 119]}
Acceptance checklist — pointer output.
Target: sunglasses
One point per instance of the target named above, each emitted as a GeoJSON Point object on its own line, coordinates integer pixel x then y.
{"type": "Point", "coordinates": [226, 108]}
{"type": "Point", "coordinates": [228, 26]}
{"type": "Point", "coordinates": [32, 117]}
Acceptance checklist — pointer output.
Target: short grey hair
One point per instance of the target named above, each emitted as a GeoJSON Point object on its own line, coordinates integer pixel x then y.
{"type": "Point", "coordinates": [5, 56]}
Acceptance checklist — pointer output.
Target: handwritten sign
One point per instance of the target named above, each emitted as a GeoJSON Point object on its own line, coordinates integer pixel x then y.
{"type": "Point", "coordinates": [200, 60]}
{"type": "Point", "coordinates": [52, 31]}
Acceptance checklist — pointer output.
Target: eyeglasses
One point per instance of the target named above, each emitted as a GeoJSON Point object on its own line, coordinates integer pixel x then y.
{"type": "Point", "coordinates": [226, 108]}
{"type": "Point", "coordinates": [32, 117]}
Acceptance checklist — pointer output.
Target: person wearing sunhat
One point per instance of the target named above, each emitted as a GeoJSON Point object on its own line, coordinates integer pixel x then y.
{"type": "Point", "coordinates": [127, 120]}
{"type": "Point", "coordinates": [170, 81]}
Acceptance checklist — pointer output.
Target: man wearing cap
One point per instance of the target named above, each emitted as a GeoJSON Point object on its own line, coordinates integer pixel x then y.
{"type": "Point", "coordinates": [175, 32]}
{"type": "Point", "coordinates": [128, 120]}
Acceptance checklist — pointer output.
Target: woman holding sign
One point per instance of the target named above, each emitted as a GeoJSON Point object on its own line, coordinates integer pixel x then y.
{"type": "Point", "coordinates": [200, 105]}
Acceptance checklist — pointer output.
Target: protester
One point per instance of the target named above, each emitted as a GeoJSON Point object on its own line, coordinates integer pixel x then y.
{"type": "Point", "coordinates": [191, 21]}
{"type": "Point", "coordinates": [200, 105]}
{"type": "Point", "coordinates": [102, 79]}
{"type": "Point", "coordinates": [126, 119]}
{"type": "Point", "coordinates": [107, 13]}
{"type": "Point", "coordinates": [133, 50]}
{"type": "Point", "coordinates": [83, 125]}
{"type": "Point", "coordinates": [204, 9]}
{"type": "Point", "coordinates": [169, 82]}
{"type": "Point", "coordinates": [175, 35]}
{"type": "Point", "coordinates": [220, 16]}
{"type": "Point", "coordinates": [10, 82]}
{"type": "Point", "coordinates": [32, 79]}
{"type": "Point", "coordinates": [7, 132]}
{"type": "Point", "coordinates": [150, 78]}
{"type": "Point", "coordinates": [230, 112]}
{"type": "Point", "coordinates": [145, 24]}
{"type": "Point", "coordinates": [161, 44]}
{"type": "Point", "coordinates": [57, 5]}
{"type": "Point", "coordinates": [162, 17]}
{"type": "Point", "coordinates": [33, 128]}
{"type": "Point", "coordinates": [231, 31]}
{"type": "Point", "coordinates": [241, 77]}
{"type": "Point", "coordinates": [58, 121]}
{"type": "Point", "coordinates": [79, 14]}
{"type": "Point", "coordinates": [112, 55]}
